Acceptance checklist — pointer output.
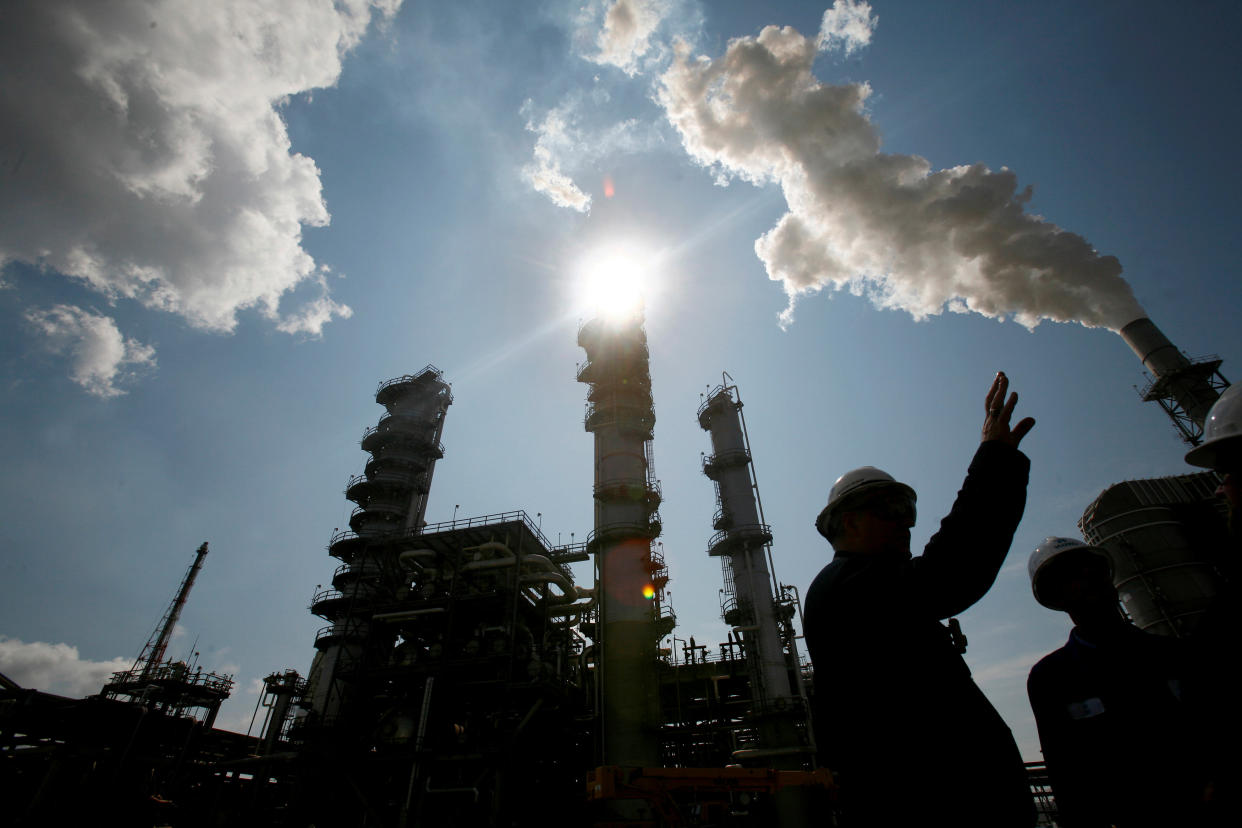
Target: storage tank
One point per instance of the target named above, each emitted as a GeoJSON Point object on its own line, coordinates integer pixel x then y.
{"type": "Point", "coordinates": [1165, 536]}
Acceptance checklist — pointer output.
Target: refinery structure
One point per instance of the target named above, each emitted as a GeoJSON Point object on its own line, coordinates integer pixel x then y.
{"type": "Point", "coordinates": [462, 677]}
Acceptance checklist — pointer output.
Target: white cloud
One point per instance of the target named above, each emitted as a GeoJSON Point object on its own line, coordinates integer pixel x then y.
{"type": "Point", "coordinates": [565, 143]}
{"type": "Point", "coordinates": [544, 173]}
{"type": "Point", "coordinates": [874, 223]}
{"type": "Point", "coordinates": [144, 152]}
{"type": "Point", "coordinates": [98, 352]}
{"type": "Point", "coordinates": [55, 668]}
{"type": "Point", "coordinates": [626, 33]}
{"type": "Point", "coordinates": [846, 26]}
{"type": "Point", "coordinates": [312, 316]}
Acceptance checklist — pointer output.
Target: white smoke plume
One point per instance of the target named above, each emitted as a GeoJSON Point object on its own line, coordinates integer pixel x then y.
{"type": "Point", "coordinates": [544, 173]}
{"type": "Point", "coordinates": [95, 346]}
{"type": "Point", "coordinates": [143, 150]}
{"type": "Point", "coordinates": [626, 34]}
{"type": "Point", "coordinates": [879, 224]}
{"type": "Point", "coordinates": [55, 668]}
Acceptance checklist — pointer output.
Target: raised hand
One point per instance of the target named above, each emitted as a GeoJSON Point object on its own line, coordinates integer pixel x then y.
{"type": "Point", "coordinates": [1000, 410]}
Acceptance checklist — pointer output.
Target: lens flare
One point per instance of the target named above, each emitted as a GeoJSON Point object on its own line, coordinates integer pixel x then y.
{"type": "Point", "coordinates": [616, 281]}
{"type": "Point", "coordinates": [649, 592]}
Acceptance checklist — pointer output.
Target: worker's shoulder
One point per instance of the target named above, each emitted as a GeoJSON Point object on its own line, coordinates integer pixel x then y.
{"type": "Point", "coordinates": [850, 584]}
{"type": "Point", "coordinates": [843, 568]}
{"type": "Point", "coordinates": [1049, 669]}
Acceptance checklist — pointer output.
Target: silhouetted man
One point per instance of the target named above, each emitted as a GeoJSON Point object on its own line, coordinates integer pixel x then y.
{"type": "Point", "coordinates": [1114, 728]}
{"type": "Point", "coordinates": [1212, 692]}
{"type": "Point", "coordinates": [897, 716]}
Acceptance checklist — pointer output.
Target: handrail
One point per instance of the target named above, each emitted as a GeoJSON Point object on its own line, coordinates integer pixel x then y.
{"type": "Point", "coordinates": [650, 529]}
{"type": "Point", "coordinates": [613, 413]}
{"type": "Point", "coordinates": [326, 594]}
{"type": "Point", "coordinates": [174, 671]}
{"type": "Point", "coordinates": [711, 398]}
{"type": "Point", "coordinates": [344, 534]}
{"type": "Point", "coordinates": [330, 631]}
{"type": "Point", "coordinates": [435, 372]}
{"type": "Point", "coordinates": [599, 321]}
{"type": "Point", "coordinates": [467, 523]}
{"type": "Point", "coordinates": [422, 437]}
{"type": "Point", "coordinates": [1206, 359]}
{"type": "Point", "coordinates": [640, 351]}
{"type": "Point", "coordinates": [382, 478]}
{"type": "Point", "coordinates": [488, 520]}
{"type": "Point", "coordinates": [649, 487]}
{"type": "Point", "coordinates": [724, 459]}
{"type": "Point", "coordinates": [741, 533]}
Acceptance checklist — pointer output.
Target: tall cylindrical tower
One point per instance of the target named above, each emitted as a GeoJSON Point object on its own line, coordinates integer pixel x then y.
{"type": "Point", "coordinates": [392, 498]}
{"type": "Point", "coordinates": [1183, 387]}
{"type": "Point", "coordinates": [620, 415]}
{"type": "Point", "coordinates": [743, 542]}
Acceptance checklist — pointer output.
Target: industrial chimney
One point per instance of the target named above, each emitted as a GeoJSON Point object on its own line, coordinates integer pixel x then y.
{"type": "Point", "coordinates": [631, 621]}
{"type": "Point", "coordinates": [1184, 388]}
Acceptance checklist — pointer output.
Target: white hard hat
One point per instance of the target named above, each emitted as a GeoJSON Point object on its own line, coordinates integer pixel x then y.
{"type": "Point", "coordinates": [1051, 550]}
{"type": "Point", "coordinates": [865, 479]}
{"type": "Point", "coordinates": [1222, 433]}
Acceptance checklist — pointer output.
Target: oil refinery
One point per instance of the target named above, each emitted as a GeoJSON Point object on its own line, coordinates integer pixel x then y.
{"type": "Point", "coordinates": [463, 677]}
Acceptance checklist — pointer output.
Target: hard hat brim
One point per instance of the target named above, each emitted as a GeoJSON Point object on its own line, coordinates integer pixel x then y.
{"type": "Point", "coordinates": [1216, 453]}
{"type": "Point", "coordinates": [1046, 591]}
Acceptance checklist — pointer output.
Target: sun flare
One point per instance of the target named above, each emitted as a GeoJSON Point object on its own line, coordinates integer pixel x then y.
{"type": "Point", "coordinates": [616, 282]}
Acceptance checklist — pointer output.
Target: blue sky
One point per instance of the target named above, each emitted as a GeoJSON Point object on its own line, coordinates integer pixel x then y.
{"type": "Point", "coordinates": [222, 225]}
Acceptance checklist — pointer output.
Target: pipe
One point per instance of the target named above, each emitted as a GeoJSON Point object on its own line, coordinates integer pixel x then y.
{"type": "Point", "coordinates": [568, 593]}
{"type": "Point", "coordinates": [402, 615]}
{"type": "Point", "coordinates": [495, 563]}
{"type": "Point", "coordinates": [489, 546]}
{"type": "Point", "coordinates": [763, 753]}
{"type": "Point", "coordinates": [416, 555]}
{"type": "Point", "coordinates": [576, 608]}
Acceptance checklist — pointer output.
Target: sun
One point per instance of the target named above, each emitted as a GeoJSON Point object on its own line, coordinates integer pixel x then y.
{"type": "Point", "coordinates": [615, 282]}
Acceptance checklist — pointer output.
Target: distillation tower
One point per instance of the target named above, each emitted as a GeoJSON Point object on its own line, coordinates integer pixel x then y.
{"type": "Point", "coordinates": [632, 614]}
{"type": "Point", "coordinates": [760, 616]}
{"type": "Point", "coordinates": [392, 499]}
{"type": "Point", "coordinates": [450, 685]}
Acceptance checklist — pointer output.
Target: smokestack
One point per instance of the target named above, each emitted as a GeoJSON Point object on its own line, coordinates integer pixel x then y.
{"type": "Point", "coordinates": [1184, 388]}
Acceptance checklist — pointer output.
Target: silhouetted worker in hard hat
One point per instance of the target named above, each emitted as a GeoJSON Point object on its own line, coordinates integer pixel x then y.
{"type": "Point", "coordinates": [1216, 642]}
{"type": "Point", "coordinates": [1114, 728]}
{"type": "Point", "coordinates": [897, 716]}
{"type": "Point", "coordinates": [1221, 449]}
